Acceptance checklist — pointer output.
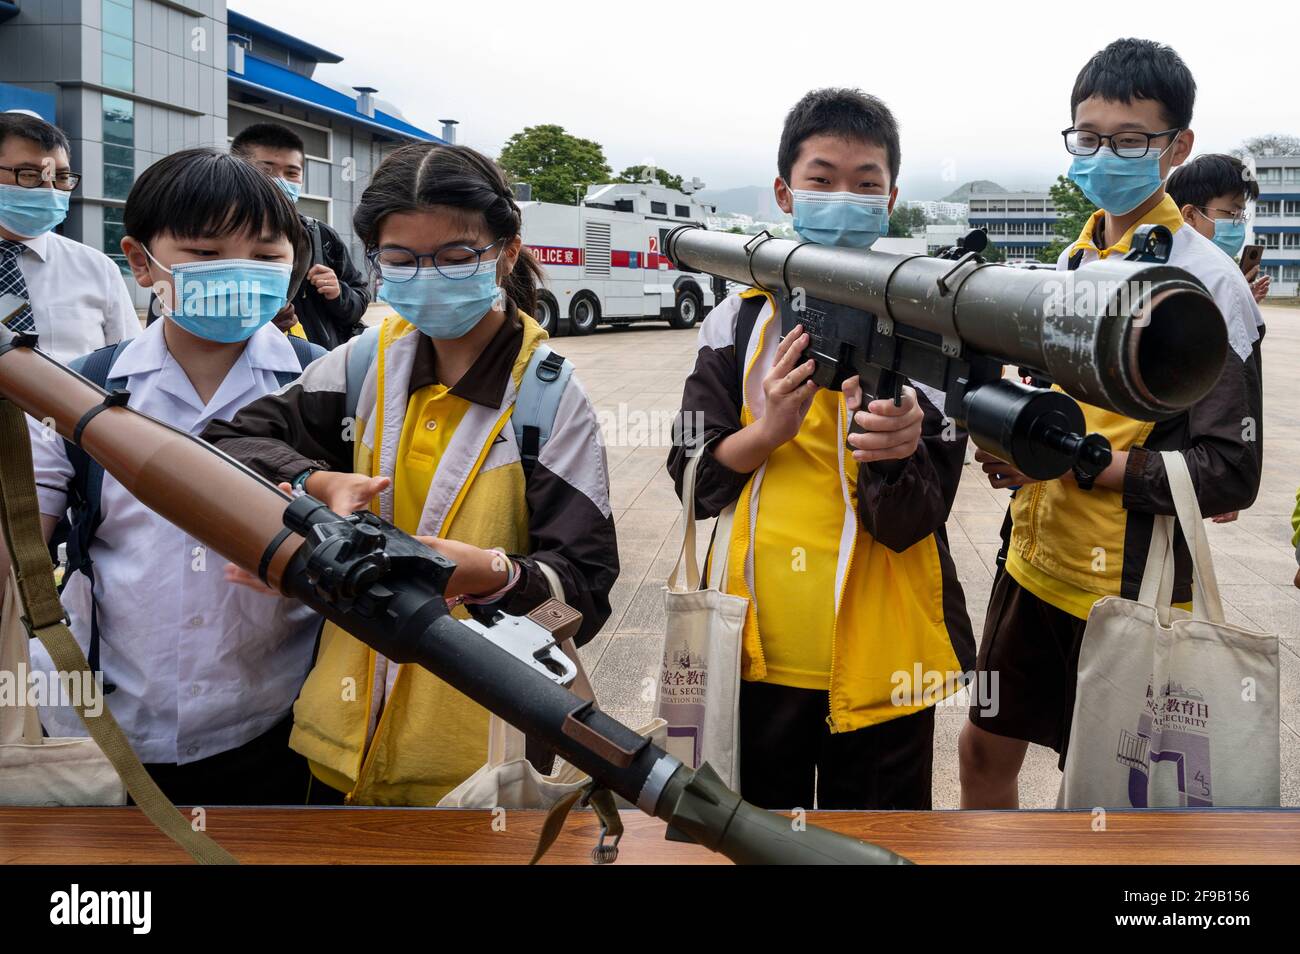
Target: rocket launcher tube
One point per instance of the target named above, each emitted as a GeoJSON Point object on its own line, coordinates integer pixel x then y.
{"type": "Point", "coordinates": [386, 589]}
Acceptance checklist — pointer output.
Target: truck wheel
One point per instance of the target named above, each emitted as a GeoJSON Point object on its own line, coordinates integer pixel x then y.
{"type": "Point", "coordinates": [584, 314]}
{"type": "Point", "coordinates": [547, 313]}
{"type": "Point", "coordinates": [687, 311]}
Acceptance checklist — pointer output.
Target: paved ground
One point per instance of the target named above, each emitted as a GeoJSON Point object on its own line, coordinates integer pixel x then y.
{"type": "Point", "coordinates": [634, 377]}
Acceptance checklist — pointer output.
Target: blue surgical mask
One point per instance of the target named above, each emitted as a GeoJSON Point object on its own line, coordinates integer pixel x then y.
{"type": "Point", "coordinates": [291, 189]}
{"type": "Point", "coordinates": [846, 219]}
{"type": "Point", "coordinates": [1229, 236]}
{"type": "Point", "coordinates": [31, 212]}
{"type": "Point", "coordinates": [227, 300]}
{"type": "Point", "coordinates": [442, 307]}
{"type": "Point", "coordinates": [1114, 183]}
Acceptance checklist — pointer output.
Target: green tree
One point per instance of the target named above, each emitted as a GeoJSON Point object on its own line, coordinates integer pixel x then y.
{"type": "Point", "coordinates": [1073, 210]}
{"type": "Point", "coordinates": [905, 220]}
{"type": "Point", "coordinates": [637, 174]}
{"type": "Point", "coordinates": [554, 162]}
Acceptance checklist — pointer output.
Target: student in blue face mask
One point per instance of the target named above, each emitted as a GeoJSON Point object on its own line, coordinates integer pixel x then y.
{"type": "Point", "coordinates": [1213, 192]}
{"type": "Point", "coordinates": [845, 561]}
{"type": "Point", "coordinates": [454, 421]}
{"type": "Point", "coordinates": [71, 296]}
{"type": "Point", "coordinates": [1131, 124]}
{"type": "Point", "coordinates": [204, 672]}
{"type": "Point", "coordinates": [329, 305]}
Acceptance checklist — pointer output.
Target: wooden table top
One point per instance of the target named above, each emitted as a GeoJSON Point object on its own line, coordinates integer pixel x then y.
{"type": "Point", "coordinates": [445, 836]}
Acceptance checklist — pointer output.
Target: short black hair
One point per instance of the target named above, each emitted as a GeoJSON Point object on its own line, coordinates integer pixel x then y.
{"type": "Point", "coordinates": [1139, 69]}
{"type": "Point", "coordinates": [204, 193]}
{"type": "Point", "coordinates": [269, 135]}
{"type": "Point", "coordinates": [1207, 177]}
{"type": "Point", "coordinates": [848, 113]}
{"type": "Point", "coordinates": [46, 135]}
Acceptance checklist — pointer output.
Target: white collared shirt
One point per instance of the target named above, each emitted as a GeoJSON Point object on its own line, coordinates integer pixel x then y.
{"type": "Point", "coordinates": [201, 665]}
{"type": "Point", "coordinates": [79, 299]}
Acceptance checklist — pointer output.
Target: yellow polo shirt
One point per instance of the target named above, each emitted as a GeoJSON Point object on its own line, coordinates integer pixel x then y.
{"type": "Point", "coordinates": [796, 549]}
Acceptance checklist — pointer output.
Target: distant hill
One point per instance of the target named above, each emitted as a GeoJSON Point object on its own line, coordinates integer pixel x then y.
{"type": "Point", "coordinates": [756, 201]}
{"type": "Point", "coordinates": [977, 187]}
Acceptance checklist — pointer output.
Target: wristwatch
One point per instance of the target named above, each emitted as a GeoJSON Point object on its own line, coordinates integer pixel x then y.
{"type": "Point", "coordinates": [298, 486]}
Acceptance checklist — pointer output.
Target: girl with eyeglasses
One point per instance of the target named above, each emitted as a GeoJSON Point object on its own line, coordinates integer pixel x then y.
{"type": "Point", "coordinates": [454, 421]}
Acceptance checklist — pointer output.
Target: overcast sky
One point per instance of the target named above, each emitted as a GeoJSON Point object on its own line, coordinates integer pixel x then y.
{"type": "Point", "coordinates": [981, 90]}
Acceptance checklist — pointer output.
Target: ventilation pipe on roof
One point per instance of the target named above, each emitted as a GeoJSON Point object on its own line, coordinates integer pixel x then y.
{"type": "Point", "coordinates": [449, 129]}
{"type": "Point", "coordinates": [366, 100]}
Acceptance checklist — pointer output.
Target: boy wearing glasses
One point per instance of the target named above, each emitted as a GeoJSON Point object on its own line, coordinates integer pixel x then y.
{"type": "Point", "coordinates": [1212, 192]}
{"type": "Point", "coordinates": [1070, 544]}
{"type": "Point", "coordinates": [71, 296]}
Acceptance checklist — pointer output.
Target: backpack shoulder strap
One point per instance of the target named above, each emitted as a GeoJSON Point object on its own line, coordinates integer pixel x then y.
{"type": "Point", "coordinates": [86, 488]}
{"type": "Point", "coordinates": [746, 319]}
{"type": "Point", "coordinates": [365, 350]}
{"type": "Point", "coordinates": [533, 418]}
{"type": "Point", "coordinates": [306, 353]}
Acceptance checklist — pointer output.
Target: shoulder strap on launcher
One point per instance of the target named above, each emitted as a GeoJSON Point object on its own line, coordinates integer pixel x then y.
{"type": "Point", "coordinates": [45, 621]}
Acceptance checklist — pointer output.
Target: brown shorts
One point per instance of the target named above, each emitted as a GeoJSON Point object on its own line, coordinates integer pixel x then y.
{"type": "Point", "coordinates": [1029, 663]}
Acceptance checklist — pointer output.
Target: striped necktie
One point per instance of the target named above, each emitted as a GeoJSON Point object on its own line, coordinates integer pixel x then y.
{"type": "Point", "coordinates": [12, 283]}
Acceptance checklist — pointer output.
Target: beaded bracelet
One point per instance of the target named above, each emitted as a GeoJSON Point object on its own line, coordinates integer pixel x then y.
{"type": "Point", "coordinates": [513, 577]}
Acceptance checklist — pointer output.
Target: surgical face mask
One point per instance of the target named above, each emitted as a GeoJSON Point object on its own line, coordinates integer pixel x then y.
{"type": "Point", "coordinates": [32, 212]}
{"type": "Point", "coordinates": [292, 189]}
{"type": "Point", "coordinates": [840, 218]}
{"type": "Point", "coordinates": [229, 299]}
{"type": "Point", "coordinates": [1114, 183]}
{"type": "Point", "coordinates": [444, 305]}
{"type": "Point", "coordinates": [1229, 235]}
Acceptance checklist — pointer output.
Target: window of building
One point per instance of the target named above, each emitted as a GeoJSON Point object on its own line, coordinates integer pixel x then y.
{"type": "Point", "coordinates": [118, 59]}
{"type": "Point", "coordinates": [316, 208]}
{"type": "Point", "coordinates": [1273, 174]}
{"type": "Point", "coordinates": [1267, 239]}
{"type": "Point", "coordinates": [1268, 209]}
{"type": "Point", "coordinates": [114, 232]}
{"type": "Point", "coordinates": [1291, 241]}
{"type": "Point", "coordinates": [658, 208]}
{"type": "Point", "coordinates": [1291, 208]}
{"type": "Point", "coordinates": [316, 139]}
{"type": "Point", "coordinates": [119, 146]}
{"type": "Point", "coordinates": [682, 211]}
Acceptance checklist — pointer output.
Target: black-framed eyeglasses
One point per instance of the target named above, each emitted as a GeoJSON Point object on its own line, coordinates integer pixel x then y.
{"type": "Point", "coordinates": [1130, 144]}
{"type": "Point", "coordinates": [454, 262]}
{"type": "Point", "coordinates": [35, 178]}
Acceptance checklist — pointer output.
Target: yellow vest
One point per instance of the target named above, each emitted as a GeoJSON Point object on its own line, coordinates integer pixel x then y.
{"type": "Point", "coordinates": [888, 611]}
{"type": "Point", "coordinates": [428, 737]}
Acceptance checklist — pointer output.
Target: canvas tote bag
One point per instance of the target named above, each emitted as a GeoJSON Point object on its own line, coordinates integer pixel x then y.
{"type": "Point", "coordinates": [507, 779]}
{"type": "Point", "coordinates": [1173, 709]}
{"type": "Point", "coordinates": [37, 771]}
{"type": "Point", "coordinates": [699, 681]}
